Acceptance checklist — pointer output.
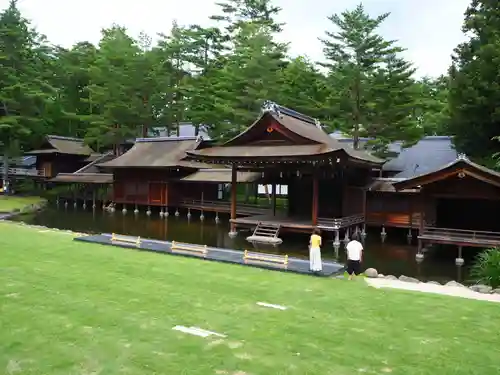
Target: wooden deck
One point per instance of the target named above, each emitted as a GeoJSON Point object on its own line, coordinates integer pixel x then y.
{"type": "Point", "coordinates": [293, 224]}
{"type": "Point", "coordinates": [224, 206]}
{"type": "Point", "coordinates": [460, 237]}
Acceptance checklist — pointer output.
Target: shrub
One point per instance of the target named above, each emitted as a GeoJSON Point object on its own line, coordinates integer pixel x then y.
{"type": "Point", "coordinates": [486, 268]}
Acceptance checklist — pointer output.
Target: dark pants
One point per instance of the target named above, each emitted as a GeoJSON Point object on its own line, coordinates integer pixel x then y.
{"type": "Point", "coordinates": [353, 267]}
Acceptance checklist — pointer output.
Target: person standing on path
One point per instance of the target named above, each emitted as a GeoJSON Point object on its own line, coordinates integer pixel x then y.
{"type": "Point", "coordinates": [354, 256]}
{"type": "Point", "coordinates": [315, 264]}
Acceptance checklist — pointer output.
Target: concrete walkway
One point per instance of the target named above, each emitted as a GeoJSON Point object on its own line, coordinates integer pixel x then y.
{"type": "Point", "coordinates": [454, 291]}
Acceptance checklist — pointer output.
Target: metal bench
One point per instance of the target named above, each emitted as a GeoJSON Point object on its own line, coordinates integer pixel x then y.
{"type": "Point", "coordinates": [274, 260]}
{"type": "Point", "coordinates": [125, 239]}
{"type": "Point", "coordinates": [189, 248]}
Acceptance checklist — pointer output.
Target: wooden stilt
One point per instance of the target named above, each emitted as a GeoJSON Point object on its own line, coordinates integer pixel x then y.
{"type": "Point", "coordinates": [233, 199]}
{"type": "Point", "coordinates": [315, 200]}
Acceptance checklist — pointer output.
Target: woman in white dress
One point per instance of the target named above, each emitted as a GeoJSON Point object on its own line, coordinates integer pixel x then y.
{"type": "Point", "coordinates": [315, 264]}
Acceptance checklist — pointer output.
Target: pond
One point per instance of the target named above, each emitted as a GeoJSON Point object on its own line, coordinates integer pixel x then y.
{"type": "Point", "coordinates": [392, 257]}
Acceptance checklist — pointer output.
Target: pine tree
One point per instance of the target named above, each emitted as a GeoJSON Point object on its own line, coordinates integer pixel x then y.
{"type": "Point", "coordinates": [391, 102]}
{"type": "Point", "coordinates": [431, 111]}
{"type": "Point", "coordinates": [353, 54]}
{"type": "Point", "coordinates": [236, 13]}
{"type": "Point", "coordinates": [475, 83]}
{"type": "Point", "coordinates": [114, 89]}
{"type": "Point", "coordinates": [303, 88]}
{"type": "Point", "coordinates": [249, 76]}
{"type": "Point", "coordinates": [25, 94]}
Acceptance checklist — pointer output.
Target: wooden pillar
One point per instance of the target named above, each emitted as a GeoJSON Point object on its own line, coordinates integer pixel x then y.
{"type": "Point", "coordinates": [364, 205]}
{"type": "Point", "coordinates": [273, 187]}
{"type": "Point", "coordinates": [233, 196]}
{"type": "Point", "coordinates": [315, 199]}
{"type": "Point", "coordinates": [422, 212]}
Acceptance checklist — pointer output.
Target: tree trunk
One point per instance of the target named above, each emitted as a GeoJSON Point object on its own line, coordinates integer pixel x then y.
{"type": "Point", "coordinates": [5, 174]}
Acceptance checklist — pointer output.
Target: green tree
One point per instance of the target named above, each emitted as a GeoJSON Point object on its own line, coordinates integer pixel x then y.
{"type": "Point", "coordinates": [303, 88]}
{"type": "Point", "coordinates": [114, 90]}
{"type": "Point", "coordinates": [25, 95]}
{"type": "Point", "coordinates": [431, 111]}
{"type": "Point", "coordinates": [249, 76]}
{"type": "Point", "coordinates": [353, 55]}
{"type": "Point", "coordinates": [475, 84]}
{"type": "Point", "coordinates": [236, 13]}
{"type": "Point", "coordinates": [391, 102]}
{"type": "Point", "coordinates": [72, 74]}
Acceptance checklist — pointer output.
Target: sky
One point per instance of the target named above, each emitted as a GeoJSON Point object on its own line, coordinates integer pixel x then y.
{"type": "Point", "coordinates": [428, 29]}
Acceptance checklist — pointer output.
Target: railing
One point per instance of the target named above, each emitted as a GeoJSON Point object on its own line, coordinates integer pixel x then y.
{"type": "Point", "coordinates": [225, 204]}
{"type": "Point", "coordinates": [448, 233]}
{"type": "Point", "coordinates": [26, 172]}
{"type": "Point", "coordinates": [341, 222]}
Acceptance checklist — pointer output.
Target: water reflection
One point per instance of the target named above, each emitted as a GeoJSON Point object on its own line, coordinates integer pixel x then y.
{"type": "Point", "coordinates": [393, 256]}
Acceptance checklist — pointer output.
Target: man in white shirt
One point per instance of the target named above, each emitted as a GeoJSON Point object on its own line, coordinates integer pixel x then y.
{"type": "Point", "coordinates": [354, 256]}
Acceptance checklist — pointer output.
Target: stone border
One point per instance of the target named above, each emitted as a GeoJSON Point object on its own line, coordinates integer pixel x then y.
{"type": "Point", "coordinates": [30, 208]}
{"type": "Point", "coordinates": [479, 288]}
{"type": "Point", "coordinates": [42, 228]}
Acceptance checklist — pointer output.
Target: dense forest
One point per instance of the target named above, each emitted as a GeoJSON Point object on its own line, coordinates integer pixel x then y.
{"type": "Point", "coordinates": [218, 77]}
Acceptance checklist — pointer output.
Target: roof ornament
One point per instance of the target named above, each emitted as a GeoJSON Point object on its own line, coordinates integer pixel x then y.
{"type": "Point", "coordinates": [317, 123]}
{"type": "Point", "coordinates": [199, 138]}
{"type": "Point", "coordinates": [269, 106]}
{"type": "Point", "coordinates": [462, 156]}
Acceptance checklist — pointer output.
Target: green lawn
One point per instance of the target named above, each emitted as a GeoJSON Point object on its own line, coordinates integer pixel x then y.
{"type": "Point", "coordinates": [11, 203]}
{"type": "Point", "coordinates": [76, 308]}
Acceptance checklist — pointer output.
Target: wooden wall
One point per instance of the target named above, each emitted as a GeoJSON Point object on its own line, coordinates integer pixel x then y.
{"type": "Point", "coordinates": [158, 188]}
{"type": "Point", "coordinates": [53, 164]}
{"type": "Point", "coordinates": [394, 209]}
{"type": "Point", "coordinates": [467, 187]}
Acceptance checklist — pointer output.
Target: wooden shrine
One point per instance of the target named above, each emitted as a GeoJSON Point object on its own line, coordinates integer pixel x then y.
{"type": "Point", "coordinates": [325, 178]}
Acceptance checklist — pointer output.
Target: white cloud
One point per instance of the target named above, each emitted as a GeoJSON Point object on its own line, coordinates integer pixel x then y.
{"type": "Point", "coordinates": [429, 29]}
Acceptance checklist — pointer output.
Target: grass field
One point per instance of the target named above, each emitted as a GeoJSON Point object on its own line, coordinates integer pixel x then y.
{"type": "Point", "coordinates": [75, 308]}
{"type": "Point", "coordinates": [11, 203]}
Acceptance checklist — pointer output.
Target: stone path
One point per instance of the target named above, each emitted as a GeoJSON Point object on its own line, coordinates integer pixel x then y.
{"type": "Point", "coordinates": [454, 291]}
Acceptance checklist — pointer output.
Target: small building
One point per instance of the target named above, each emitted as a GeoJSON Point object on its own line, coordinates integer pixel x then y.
{"type": "Point", "coordinates": [325, 177]}
{"type": "Point", "coordinates": [459, 204]}
{"type": "Point", "coordinates": [155, 172]}
{"type": "Point", "coordinates": [59, 154]}
{"type": "Point", "coordinates": [388, 207]}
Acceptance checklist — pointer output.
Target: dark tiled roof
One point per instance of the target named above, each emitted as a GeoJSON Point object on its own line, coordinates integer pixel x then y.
{"type": "Point", "coordinates": [92, 167]}
{"type": "Point", "coordinates": [460, 163]}
{"type": "Point", "coordinates": [64, 145]}
{"type": "Point", "coordinates": [157, 153]}
{"type": "Point", "coordinates": [429, 154]}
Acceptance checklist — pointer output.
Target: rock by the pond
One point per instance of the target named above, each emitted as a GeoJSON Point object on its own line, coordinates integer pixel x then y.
{"type": "Point", "coordinates": [371, 272]}
{"type": "Point", "coordinates": [480, 288]}
{"type": "Point", "coordinates": [381, 276]}
{"type": "Point", "coordinates": [433, 283]}
{"type": "Point", "coordinates": [496, 291]}
{"type": "Point", "coordinates": [391, 277]}
{"type": "Point", "coordinates": [454, 283]}
{"type": "Point", "coordinates": [408, 279]}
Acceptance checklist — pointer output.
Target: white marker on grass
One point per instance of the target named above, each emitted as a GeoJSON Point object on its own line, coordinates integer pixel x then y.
{"type": "Point", "coordinates": [197, 331]}
{"type": "Point", "coordinates": [279, 307]}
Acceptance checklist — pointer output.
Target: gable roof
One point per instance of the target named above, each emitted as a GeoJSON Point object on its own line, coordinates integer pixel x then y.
{"type": "Point", "coordinates": [429, 154]}
{"type": "Point", "coordinates": [63, 145]}
{"type": "Point", "coordinates": [305, 127]}
{"type": "Point", "coordinates": [157, 153]}
{"type": "Point", "coordinates": [460, 166]}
